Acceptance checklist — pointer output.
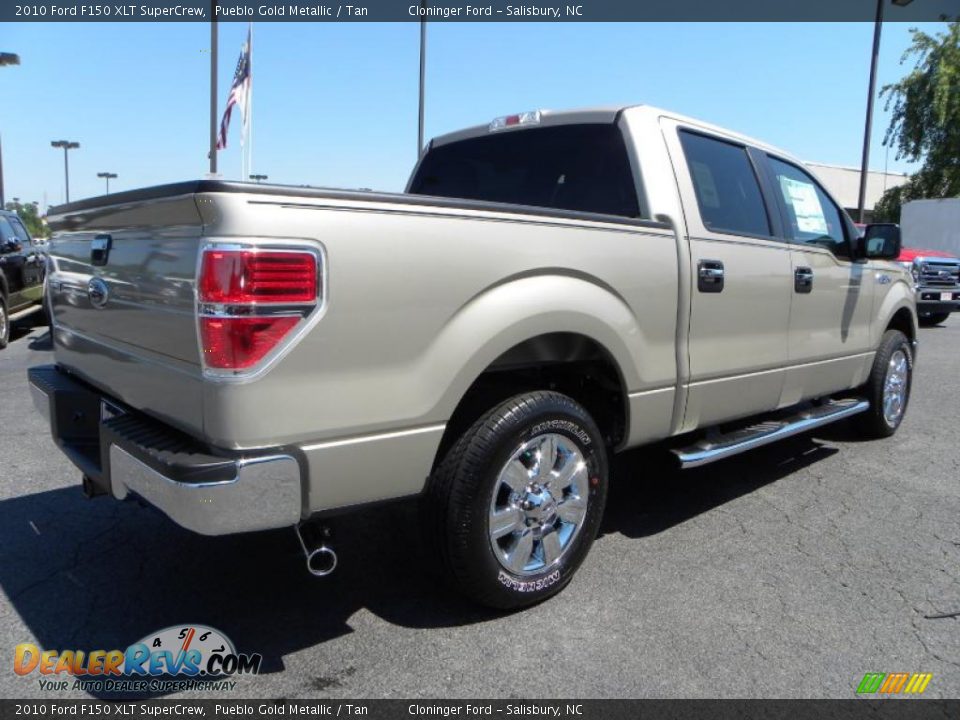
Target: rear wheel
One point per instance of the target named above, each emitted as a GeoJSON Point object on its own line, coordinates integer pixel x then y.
{"type": "Point", "coordinates": [4, 324]}
{"type": "Point", "coordinates": [515, 504]}
{"type": "Point", "coordinates": [888, 388]}
{"type": "Point", "coordinates": [932, 319]}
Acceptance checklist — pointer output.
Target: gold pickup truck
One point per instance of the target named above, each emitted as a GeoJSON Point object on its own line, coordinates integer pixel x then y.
{"type": "Point", "coordinates": [552, 287]}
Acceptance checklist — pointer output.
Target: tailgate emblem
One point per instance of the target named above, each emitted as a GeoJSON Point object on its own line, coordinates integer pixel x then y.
{"type": "Point", "coordinates": [98, 292]}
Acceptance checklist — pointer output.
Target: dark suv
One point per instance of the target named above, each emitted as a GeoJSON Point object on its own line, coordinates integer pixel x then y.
{"type": "Point", "coordinates": [21, 274]}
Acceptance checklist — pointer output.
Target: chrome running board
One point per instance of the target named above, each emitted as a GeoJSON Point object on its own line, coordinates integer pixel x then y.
{"type": "Point", "coordinates": [718, 447]}
{"type": "Point", "coordinates": [20, 314]}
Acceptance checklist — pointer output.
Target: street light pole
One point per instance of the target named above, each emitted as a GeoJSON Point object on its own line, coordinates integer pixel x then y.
{"type": "Point", "coordinates": [868, 125]}
{"type": "Point", "coordinates": [5, 59]}
{"type": "Point", "coordinates": [423, 72]}
{"type": "Point", "coordinates": [2, 202]}
{"type": "Point", "coordinates": [871, 91]}
{"type": "Point", "coordinates": [106, 176]}
{"type": "Point", "coordinates": [213, 94]}
{"type": "Point", "coordinates": [67, 145]}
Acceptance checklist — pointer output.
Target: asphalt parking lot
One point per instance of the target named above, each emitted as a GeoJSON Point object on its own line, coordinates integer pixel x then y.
{"type": "Point", "coordinates": [788, 572]}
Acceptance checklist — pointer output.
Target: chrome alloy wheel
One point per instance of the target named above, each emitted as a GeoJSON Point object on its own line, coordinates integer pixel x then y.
{"type": "Point", "coordinates": [895, 387]}
{"type": "Point", "coordinates": [539, 504]}
{"type": "Point", "coordinates": [3, 321]}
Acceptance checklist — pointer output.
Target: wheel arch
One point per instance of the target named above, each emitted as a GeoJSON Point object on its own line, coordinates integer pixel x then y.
{"type": "Point", "coordinates": [904, 321]}
{"type": "Point", "coordinates": [571, 363]}
{"type": "Point", "coordinates": [897, 309]}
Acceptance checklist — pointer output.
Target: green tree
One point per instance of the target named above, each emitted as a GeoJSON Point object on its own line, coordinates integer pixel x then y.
{"type": "Point", "coordinates": [30, 215]}
{"type": "Point", "coordinates": [925, 120]}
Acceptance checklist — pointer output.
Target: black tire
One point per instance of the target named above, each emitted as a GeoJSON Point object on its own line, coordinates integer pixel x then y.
{"type": "Point", "coordinates": [4, 324]}
{"type": "Point", "coordinates": [873, 424]}
{"type": "Point", "coordinates": [932, 319]}
{"type": "Point", "coordinates": [461, 497]}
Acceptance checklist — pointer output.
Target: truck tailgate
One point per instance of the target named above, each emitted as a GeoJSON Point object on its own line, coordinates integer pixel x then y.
{"type": "Point", "coordinates": [125, 322]}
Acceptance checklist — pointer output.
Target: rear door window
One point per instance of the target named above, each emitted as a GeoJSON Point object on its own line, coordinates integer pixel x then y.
{"type": "Point", "coordinates": [726, 186]}
{"type": "Point", "coordinates": [8, 238]}
{"type": "Point", "coordinates": [20, 231]}
{"type": "Point", "coordinates": [567, 167]}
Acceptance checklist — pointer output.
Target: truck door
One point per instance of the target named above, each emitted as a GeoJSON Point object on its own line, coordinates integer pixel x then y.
{"type": "Point", "coordinates": [740, 304]}
{"type": "Point", "coordinates": [33, 261]}
{"type": "Point", "coordinates": [832, 298]}
{"type": "Point", "coordinates": [12, 262]}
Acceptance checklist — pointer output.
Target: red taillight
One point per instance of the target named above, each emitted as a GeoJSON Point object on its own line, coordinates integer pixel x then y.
{"type": "Point", "coordinates": [241, 342]}
{"type": "Point", "coordinates": [241, 296]}
{"type": "Point", "coordinates": [248, 276]}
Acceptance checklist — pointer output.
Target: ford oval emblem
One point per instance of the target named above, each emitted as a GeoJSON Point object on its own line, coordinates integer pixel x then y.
{"type": "Point", "coordinates": [98, 292]}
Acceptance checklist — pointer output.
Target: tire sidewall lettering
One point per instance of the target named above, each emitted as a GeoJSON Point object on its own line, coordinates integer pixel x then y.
{"type": "Point", "coordinates": [567, 427]}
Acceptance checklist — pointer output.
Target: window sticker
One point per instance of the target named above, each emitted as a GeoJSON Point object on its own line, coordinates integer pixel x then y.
{"type": "Point", "coordinates": [806, 206]}
{"type": "Point", "coordinates": [705, 185]}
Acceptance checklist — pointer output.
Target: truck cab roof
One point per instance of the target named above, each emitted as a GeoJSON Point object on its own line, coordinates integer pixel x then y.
{"type": "Point", "coordinates": [603, 114]}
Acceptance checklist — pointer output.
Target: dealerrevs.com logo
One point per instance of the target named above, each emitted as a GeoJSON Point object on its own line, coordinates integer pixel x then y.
{"type": "Point", "coordinates": [177, 658]}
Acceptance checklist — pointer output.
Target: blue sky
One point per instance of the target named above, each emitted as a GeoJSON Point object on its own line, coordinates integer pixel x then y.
{"type": "Point", "coordinates": [336, 104]}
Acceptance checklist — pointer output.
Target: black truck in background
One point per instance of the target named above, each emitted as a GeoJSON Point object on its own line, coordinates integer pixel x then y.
{"type": "Point", "coordinates": [22, 267]}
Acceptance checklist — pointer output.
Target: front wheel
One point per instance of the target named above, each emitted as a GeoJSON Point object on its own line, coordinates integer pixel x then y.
{"type": "Point", "coordinates": [515, 504]}
{"type": "Point", "coordinates": [932, 319]}
{"type": "Point", "coordinates": [888, 388]}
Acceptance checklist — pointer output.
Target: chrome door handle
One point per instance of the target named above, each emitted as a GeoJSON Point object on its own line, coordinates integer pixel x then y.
{"type": "Point", "coordinates": [803, 280]}
{"type": "Point", "coordinates": [710, 276]}
{"type": "Point", "coordinates": [100, 250]}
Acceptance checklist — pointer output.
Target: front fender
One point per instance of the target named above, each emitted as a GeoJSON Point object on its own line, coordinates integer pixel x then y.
{"type": "Point", "coordinates": [899, 294]}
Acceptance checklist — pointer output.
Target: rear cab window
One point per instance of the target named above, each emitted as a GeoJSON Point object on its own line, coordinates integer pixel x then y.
{"type": "Point", "coordinates": [726, 186]}
{"type": "Point", "coordinates": [578, 167]}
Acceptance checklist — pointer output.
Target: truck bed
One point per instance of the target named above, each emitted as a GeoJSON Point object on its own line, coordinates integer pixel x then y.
{"type": "Point", "coordinates": [367, 366]}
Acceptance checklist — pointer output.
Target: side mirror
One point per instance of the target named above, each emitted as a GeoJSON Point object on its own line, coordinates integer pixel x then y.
{"type": "Point", "coordinates": [881, 241]}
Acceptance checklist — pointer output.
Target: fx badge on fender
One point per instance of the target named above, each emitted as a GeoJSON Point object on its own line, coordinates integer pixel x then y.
{"type": "Point", "coordinates": [883, 278]}
{"type": "Point", "coordinates": [98, 292]}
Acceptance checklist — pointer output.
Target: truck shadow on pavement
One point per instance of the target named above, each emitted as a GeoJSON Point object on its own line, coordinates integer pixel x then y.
{"type": "Point", "coordinates": [649, 494]}
{"type": "Point", "coordinates": [99, 574]}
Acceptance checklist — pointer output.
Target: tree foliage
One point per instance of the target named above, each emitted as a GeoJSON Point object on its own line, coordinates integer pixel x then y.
{"type": "Point", "coordinates": [30, 215]}
{"type": "Point", "coordinates": [925, 120]}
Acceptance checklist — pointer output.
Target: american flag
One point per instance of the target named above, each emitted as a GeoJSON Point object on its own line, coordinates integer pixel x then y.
{"type": "Point", "coordinates": [239, 92]}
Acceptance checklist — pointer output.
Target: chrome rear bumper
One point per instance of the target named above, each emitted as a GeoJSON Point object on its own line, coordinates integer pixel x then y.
{"type": "Point", "coordinates": [206, 493]}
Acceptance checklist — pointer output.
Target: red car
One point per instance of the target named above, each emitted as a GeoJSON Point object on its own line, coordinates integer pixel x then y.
{"type": "Point", "coordinates": [937, 275]}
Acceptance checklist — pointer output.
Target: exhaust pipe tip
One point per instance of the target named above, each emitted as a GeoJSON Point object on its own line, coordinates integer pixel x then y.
{"type": "Point", "coordinates": [322, 561]}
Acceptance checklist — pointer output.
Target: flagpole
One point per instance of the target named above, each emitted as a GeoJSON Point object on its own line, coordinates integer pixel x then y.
{"type": "Point", "coordinates": [243, 128]}
{"type": "Point", "coordinates": [213, 94]}
{"type": "Point", "coordinates": [250, 104]}
{"type": "Point", "coordinates": [423, 68]}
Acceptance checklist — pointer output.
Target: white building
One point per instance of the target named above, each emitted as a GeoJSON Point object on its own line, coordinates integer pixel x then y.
{"type": "Point", "coordinates": [844, 184]}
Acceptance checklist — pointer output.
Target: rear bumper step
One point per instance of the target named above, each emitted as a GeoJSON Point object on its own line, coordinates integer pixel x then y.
{"type": "Point", "coordinates": [726, 445]}
{"type": "Point", "coordinates": [120, 452]}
